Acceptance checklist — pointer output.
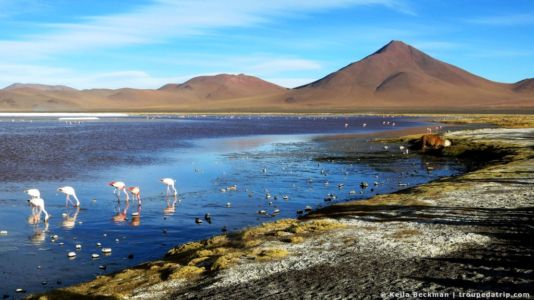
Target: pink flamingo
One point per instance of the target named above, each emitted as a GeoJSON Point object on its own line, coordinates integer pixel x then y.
{"type": "Point", "coordinates": [136, 191]}
{"type": "Point", "coordinates": [38, 207]}
{"type": "Point", "coordinates": [119, 186]}
{"type": "Point", "coordinates": [169, 182]}
{"type": "Point", "coordinates": [69, 191]}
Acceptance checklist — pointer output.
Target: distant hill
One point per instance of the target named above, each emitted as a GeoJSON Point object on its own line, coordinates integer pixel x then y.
{"type": "Point", "coordinates": [223, 86]}
{"type": "Point", "coordinates": [525, 85]}
{"type": "Point", "coordinates": [397, 77]}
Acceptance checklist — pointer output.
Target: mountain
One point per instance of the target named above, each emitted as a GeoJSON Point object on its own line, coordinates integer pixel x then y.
{"type": "Point", "coordinates": [396, 78]}
{"type": "Point", "coordinates": [525, 85]}
{"type": "Point", "coordinates": [223, 86]}
{"type": "Point", "coordinates": [400, 76]}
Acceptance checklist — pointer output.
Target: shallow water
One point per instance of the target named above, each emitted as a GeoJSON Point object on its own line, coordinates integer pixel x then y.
{"type": "Point", "coordinates": [274, 155]}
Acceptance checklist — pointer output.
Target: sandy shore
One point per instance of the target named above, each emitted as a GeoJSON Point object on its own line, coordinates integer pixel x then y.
{"type": "Point", "coordinates": [472, 233]}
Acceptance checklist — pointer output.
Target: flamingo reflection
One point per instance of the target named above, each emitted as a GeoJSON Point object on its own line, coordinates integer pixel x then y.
{"type": "Point", "coordinates": [70, 221]}
{"type": "Point", "coordinates": [121, 214]}
{"type": "Point", "coordinates": [171, 206]}
{"type": "Point", "coordinates": [136, 217]}
{"type": "Point", "coordinates": [39, 234]}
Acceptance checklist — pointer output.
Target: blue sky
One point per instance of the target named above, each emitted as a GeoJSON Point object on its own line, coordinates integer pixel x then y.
{"type": "Point", "coordinates": [145, 44]}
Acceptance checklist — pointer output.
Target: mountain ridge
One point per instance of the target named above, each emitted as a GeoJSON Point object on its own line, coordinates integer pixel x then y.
{"type": "Point", "coordinates": [395, 76]}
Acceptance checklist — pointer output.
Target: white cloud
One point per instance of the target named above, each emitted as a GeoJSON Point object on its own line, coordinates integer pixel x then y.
{"type": "Point", "coordinates": [163, 20]}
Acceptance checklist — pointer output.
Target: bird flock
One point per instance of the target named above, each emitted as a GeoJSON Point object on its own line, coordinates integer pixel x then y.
{"type": "Point", "coordinates": [37, 203]}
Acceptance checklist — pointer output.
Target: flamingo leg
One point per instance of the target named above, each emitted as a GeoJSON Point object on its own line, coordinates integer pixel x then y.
{"type": "Point", "coordinates": [138, 199]}
{"type": "Point", "coordinates": [68, 201]}
{"type": "Point", "coordinates": [174, 189]}
{"type": "Point", "coordinates": [126, 193]}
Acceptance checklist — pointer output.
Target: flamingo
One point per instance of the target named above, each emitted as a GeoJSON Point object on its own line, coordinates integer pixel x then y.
{"type": "Point", "coordinates": [136, 191]}
{"type": "Point", "coordinates": [119, 186]}
{"type": "Point", "coordinates": [33, 193]}
{"type": "Point", "coordinates": [38, 207]}
{"type": "Point", "coordinates": [69, 191]}
{"type": "Point", "coordinates": [169, 182]}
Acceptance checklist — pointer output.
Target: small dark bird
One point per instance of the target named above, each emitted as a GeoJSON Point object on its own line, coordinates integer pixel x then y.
{"type": "Point", "coordinates": [208, 218]}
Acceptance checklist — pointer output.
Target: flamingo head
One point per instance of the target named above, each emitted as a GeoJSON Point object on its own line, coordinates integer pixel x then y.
{"type": "Point", "coordinates": [60, 190]}
{"type": "Point", "coordinates": [112, 183]}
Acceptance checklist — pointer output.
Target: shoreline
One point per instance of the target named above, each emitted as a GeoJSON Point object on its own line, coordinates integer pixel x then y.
{"type": "Point", "coordinates": [381, 229]}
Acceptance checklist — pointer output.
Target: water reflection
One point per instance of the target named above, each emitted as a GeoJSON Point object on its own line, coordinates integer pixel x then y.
{"type": "Point", "coordinates": [121, 214]}
{"type": "Point", "coordinates": [171, 205]}
{"type": "Point", "coordinates": [39, 234]}
{"type": "Point", "coordinates": [69, 220]}
{"type": "Point", "coordinates": [136, 216]}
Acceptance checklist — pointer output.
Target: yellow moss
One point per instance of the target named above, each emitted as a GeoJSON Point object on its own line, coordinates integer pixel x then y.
{"type": "Point", "coordinates": [392, 199]}
{"type": "Point", "coordinates": [266, 228]}
{"type": "Point", "coordinates": [251, 243]}
{"type": "Point", "coordinates": [226, 261]}
{"type": "Point", "coordinates": [295, 239]}
{"type": "Point", "coordinates": [197, 261]}
{"type": "Point", "coordinates": [315, 226]}
{"type": "Point", "coordinates": [203, 253]}
{"type": "Point", "coordinates": [185, 248]}
{"type": "Point", "coordinates": [187, 272]}
{"type": "Point", "coordinates": [218, 240]}
{"type": "Point", "coordinates": [270, 254]}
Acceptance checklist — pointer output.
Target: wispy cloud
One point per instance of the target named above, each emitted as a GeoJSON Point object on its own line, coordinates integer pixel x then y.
{"type": "Point", "coordinates": [505, 20]}
{"type": "Point", "coordinates": [166, 19]}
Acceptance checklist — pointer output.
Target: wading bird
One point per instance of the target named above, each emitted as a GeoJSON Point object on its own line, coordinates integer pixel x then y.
{"type": "Point", "coordinates": [69, 191]}
{"type": "Point", "coordinates": [38, 207]}
{"type": "Point", "coordinates": [119, 186]}
{"type": "Point", "coordinates": [33, 193]}
{"type": "Point", "coordinates": [169, 182]}
{"type": "Point", "coordinates": [136, 191]}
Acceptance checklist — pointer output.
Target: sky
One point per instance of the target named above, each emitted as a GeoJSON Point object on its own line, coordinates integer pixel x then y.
{"type": "Point", "coordinates": [148, 43]}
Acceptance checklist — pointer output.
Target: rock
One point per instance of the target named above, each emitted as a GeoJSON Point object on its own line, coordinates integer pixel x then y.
{"type": "Point", "coordinates": [71, 254]}
{"type": "Point", "coordinates": [95, 256]}
{"type": "Point", "coordinates": [106, 250]}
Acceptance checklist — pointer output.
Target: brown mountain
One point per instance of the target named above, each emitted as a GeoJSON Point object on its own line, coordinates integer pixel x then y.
{"type": "Point", "coordinates": [400, 76]}
{"type": "Point", "coordinates": [397, 77]}
{"type": "Point", "coordinates": [223, 86]}
{"type": "Point", "coordinates": [525, 85]}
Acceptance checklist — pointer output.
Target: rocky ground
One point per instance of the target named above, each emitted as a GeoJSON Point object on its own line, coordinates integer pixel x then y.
{"type": "Point", "coordinates": [472, 233]}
